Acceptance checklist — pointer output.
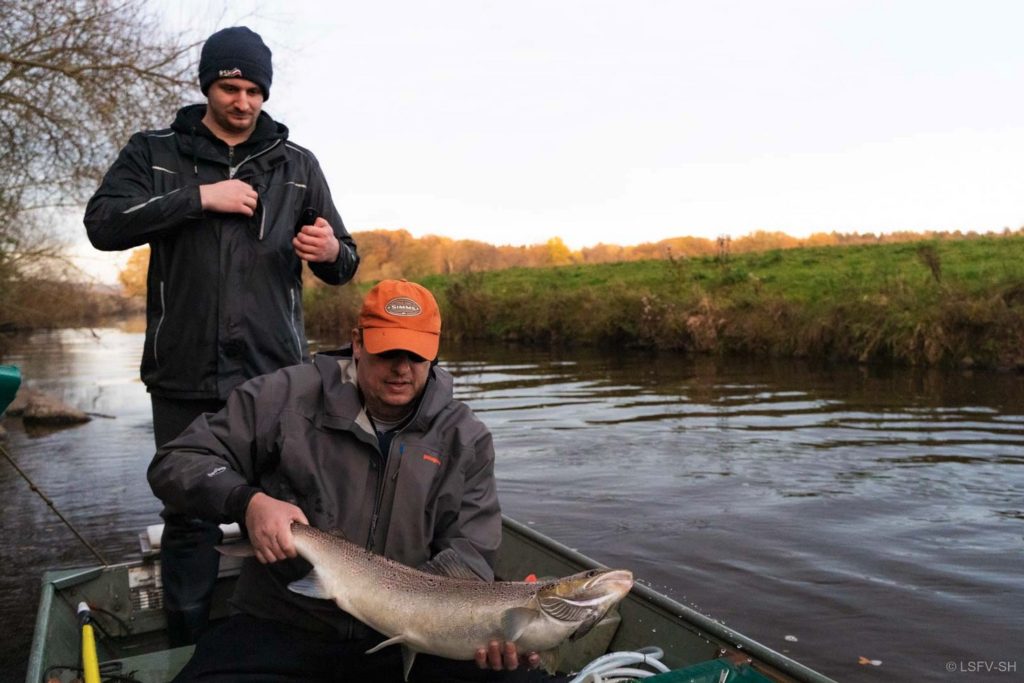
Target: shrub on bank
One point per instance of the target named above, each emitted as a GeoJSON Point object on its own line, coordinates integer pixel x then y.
{"type": "Point", "coordinates": [951, 303]}
{"type": "Point", "coordinates": [47, 304]}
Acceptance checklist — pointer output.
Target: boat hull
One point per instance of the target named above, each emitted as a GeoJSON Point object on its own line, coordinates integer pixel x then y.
{"type": "Point", "coordinates": [130, 598]}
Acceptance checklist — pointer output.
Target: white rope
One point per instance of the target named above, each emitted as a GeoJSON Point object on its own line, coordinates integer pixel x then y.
{"type": "Point", "coordinates": [616, 664]}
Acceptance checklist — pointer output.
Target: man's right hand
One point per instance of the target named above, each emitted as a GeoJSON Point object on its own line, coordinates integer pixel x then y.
{"type": "Point", "coordinates": [229, 196]}
{"type": "Point", "coordinates": [269, 523]}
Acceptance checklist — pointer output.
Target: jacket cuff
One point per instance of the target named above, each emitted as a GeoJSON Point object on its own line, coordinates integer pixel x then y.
{"type": "Point", "coordinates": [238, 501]}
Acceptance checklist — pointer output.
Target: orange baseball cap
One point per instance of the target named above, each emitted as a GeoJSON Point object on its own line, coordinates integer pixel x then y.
{"type": "Point", "coordinates": [398, 314]}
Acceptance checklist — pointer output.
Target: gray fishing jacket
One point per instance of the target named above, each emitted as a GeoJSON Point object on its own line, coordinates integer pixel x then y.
{"type": "Point", "coordinates": [224, 291]}
{"type": "Point", "coordinates": [301, 435]}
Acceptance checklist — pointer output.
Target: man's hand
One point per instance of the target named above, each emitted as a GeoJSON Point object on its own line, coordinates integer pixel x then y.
{"type": "Point", "coordinates": [316, 243]}
{"type": "Point", "coordinates": [504, 656]}
{"type": "Point", "coordinates": [229, 196]}
{"type": "Point", "coordinates": [269, 523]}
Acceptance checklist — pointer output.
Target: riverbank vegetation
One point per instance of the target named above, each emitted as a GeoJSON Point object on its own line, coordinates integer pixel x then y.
{"type": "Point", "coordinates": [936, 302]}
{"type": "Point", "coordinates": [76, 79]}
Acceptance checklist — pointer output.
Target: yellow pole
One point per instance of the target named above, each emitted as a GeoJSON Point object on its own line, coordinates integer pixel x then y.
{"type": "Point", "coordinates": [90, 663]}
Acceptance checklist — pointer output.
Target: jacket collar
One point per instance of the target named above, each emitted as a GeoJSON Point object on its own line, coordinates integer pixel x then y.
{"type": "Point", "coordinates": [342, 407]}
{"type": "Point", "coordinates": [199, 141]}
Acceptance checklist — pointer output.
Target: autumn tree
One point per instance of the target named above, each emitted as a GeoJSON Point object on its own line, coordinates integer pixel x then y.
{"type": "Point", "coordinates": [558, 254]}
{"type": "Point", "coordinates": [77, 77]}
{"type": "Point", "coordinates": [133, 276]}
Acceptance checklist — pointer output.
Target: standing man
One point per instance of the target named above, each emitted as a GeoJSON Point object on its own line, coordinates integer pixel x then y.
{"type": "Point", "coordinates": [220, 198]}
{"type": "Point", "coordinates": [368, 440]}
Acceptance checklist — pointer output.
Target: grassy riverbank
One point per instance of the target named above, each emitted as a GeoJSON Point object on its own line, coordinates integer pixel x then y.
{"type": "Point", "coordinates": [941, 302]}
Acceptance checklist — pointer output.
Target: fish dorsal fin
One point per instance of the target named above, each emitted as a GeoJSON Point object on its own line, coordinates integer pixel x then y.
{"type": "Point", "coordinates": [449, 563]}
{"type": "Point", "coordinates": [312, 586]}
{"type": "Point", "coordinates": [514, 621]}
{"type": "Point", "coordinates": [408, 654]}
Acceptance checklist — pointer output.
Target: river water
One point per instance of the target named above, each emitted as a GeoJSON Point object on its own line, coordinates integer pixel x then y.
{"type": "Point", "coordinates": [869, 523]}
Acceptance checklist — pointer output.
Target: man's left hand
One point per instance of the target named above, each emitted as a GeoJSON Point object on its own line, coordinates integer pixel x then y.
{"type": "Point", "coordinates": [504, 656]}
{"type": "Point", "coordinates": [316, 243]}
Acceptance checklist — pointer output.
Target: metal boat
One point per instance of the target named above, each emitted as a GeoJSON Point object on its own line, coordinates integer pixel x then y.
{"type": "Point", "coordinates": [125, 605]}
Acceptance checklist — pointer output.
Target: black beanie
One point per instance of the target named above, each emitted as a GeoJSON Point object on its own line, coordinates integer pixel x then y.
{"type": "Point", "coordinates": [236, 52]}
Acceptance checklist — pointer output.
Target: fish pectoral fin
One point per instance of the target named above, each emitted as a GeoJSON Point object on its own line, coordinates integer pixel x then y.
{"type": "Point", "coordinates": [585, 627]}
{"type": "Point", "coordinates": [312, 586]}
{"type": "Point", "coordinates": [549, 660]}
{"type": "Point", "coordinates": [514, 621]}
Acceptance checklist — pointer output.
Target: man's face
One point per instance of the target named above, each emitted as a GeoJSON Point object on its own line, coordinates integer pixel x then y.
{"type": "Point", "coordinates": [391, 381]}
{"type": "Point", "coordinates": [233, 105]}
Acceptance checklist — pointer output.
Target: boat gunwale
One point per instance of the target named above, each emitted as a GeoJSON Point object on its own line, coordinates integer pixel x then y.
{"type": "Point", "coordinates": [46, 599]}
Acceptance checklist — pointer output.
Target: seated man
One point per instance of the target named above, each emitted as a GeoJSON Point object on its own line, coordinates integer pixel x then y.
{"type": "Point", "coordinates": [342, 444]}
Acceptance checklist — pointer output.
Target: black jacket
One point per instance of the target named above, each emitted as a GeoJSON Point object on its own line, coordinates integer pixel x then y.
{"type": "Point", "coordinates": [224, 291]}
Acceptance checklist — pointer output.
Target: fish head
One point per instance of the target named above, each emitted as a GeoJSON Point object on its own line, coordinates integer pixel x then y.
{"type": "Point", "coordinates": [593, 585]}
{"type": "Point", "coordinates": [584, 598]}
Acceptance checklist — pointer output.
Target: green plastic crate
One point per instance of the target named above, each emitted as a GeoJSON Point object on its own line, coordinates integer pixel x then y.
{"type": "Point", "coordinates": [10, 380]}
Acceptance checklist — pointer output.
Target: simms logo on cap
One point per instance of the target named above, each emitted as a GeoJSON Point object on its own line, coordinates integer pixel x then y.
{"type": "Point", "coordinates": [403, 306]}
{"type": "Point", "coordinates": [230, 73]}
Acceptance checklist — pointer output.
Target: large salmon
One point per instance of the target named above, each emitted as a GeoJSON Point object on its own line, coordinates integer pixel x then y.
{"type": "Point", "coordinates": [452, 617]}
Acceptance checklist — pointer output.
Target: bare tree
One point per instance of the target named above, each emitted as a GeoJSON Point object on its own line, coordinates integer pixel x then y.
{"type": "Point", "coordinates": [77, 77]}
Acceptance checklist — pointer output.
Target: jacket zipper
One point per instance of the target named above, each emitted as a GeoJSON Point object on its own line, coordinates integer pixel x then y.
{"type": "Point", "coordinates": [156, 335]}
{"type": "Point", "coordinates": [380, 488]}
{"type": "Point", "coordinates": [263, 217]}
{"type": "Point", "coordinates": [295, 328]}
{"type": "Point", "coordinates": [232, 170]}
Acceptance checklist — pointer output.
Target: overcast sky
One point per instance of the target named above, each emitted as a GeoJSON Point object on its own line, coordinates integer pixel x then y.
{"type": "Point", "coordinates": [623, 122]}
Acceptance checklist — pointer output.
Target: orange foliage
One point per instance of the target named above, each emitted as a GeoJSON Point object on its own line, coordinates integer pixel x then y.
{"type": "Point", "coordinates": [133, 276]}
{"type": "Point", "coordinates": [397, 254]}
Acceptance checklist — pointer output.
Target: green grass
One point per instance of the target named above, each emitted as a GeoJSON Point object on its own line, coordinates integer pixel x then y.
{"type": "Point", "coordinates": [938, 302]}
